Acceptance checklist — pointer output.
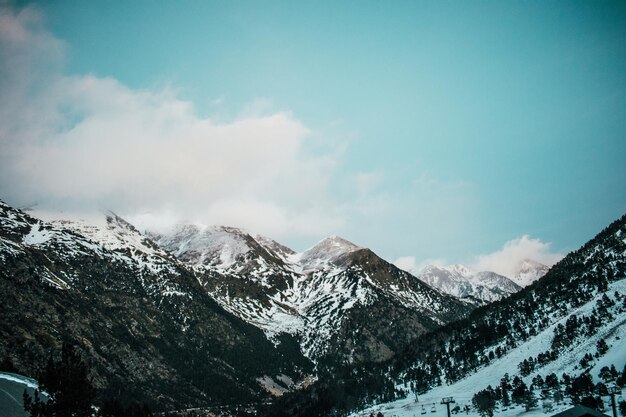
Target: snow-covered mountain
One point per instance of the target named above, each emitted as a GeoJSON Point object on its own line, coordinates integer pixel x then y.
{"type": "Point", "coordinates": [168, 312]}
{"type": "Point", "coordinates": [317, 296]}
{"type": "Point", "coordinates": [573, 360]}
{"type": "Point", "coordinates": [339, 300]}
{"type": "Point", "coordinates": [137, 312]}
{"type": "Point", "coordinates": [474, 287]}
{"type": "Point", "coordinates": [529, 271]}
{"type": "Point", "coordinates": [325, 254]}
{"type": "Point", "coordinates": [555, 340]}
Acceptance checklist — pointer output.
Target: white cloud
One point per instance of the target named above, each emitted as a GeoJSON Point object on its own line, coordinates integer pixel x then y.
{"type": "Point", "coordinates": [80, 141]}
{"type": "Point", "coordinates": [506, 260]}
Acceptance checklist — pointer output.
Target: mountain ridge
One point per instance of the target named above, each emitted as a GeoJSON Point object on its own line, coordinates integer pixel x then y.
{"type": "Point", "coordinates": [579, 305]}
{"type": "Point", "coordinates": [140, 316]}
{"type": "Point", "coordinates": [309, 294]}
{"type": "Point", "coordinates": [312, 296]}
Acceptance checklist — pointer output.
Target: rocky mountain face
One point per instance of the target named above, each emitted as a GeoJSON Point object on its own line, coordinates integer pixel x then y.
{"type": "Point", "coordinates": [341, 301]}
{"type": "Point", "coordinates": [140, 316]}
{"type": "Point", "coordinates": [474, 287]}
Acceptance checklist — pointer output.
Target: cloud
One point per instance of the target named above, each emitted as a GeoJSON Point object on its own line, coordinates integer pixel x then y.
{"type": "Point", "coordinates": [506, 260]}
{"type": "Point", "coordinates": [78, 141]}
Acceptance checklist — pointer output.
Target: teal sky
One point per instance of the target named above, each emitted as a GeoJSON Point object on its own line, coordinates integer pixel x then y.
{"type": "Point", "coordinates": [459, 125]}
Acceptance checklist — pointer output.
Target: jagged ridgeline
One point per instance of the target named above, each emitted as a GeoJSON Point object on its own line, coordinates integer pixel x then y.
{"type": "Point", "coordinates": [147, 328]}
{"type": "Point", "coordinates": [342, 302]}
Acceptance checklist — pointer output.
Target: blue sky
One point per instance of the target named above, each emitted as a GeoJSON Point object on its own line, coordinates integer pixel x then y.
{"type": "Point", "coordinates": [428, 129]}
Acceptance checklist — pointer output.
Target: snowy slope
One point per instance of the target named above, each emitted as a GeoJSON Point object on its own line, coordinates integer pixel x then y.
{"type": "Point", "coordinates": [201, 246]}
{"type": "Point", "coordinates": [105, 235]}
{"type": "Point", "coordinates": [613, 332]}
{"type": "Point", "coordinates": [563, 323]}
{"type": "Point", "coordinates": [12, 387]}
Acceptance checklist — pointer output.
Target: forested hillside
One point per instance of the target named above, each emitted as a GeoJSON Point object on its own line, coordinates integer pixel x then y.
{"type": "Point", "coordinates": [458, 349]}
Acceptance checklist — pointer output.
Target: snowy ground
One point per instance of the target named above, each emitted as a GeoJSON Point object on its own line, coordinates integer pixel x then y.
{"type": "Point", "coordinates": [613, 332]}
{"type": "Point", "coordinates": [12, 387]}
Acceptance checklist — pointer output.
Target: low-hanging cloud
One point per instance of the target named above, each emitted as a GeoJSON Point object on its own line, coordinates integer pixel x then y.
{"type": "Point", "coordinates": [75, 141]}
{"type": "Point", "coordinates": [506, 261]}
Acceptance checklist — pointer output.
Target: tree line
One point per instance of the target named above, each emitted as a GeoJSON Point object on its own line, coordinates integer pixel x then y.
{"type": "Point", "coordinates": [550, 390]}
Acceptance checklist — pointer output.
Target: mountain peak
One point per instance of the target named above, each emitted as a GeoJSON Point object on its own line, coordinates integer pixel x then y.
{"type": "Point", "coordinates": [527, 263]}
{"type": "Point", "coordinates": [338, 242]}
{"type": "Point", "coordinates": [201, 245]}
{"type": "Point", "coordinates": [529, 271]}
{"type": "Point", "coordinates": [461, 270]}
{"type": "Point", "coordinates": [326, 251]}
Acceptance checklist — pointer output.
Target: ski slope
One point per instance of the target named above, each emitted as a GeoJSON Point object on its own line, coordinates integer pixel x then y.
{"type": "Point", "coordinates": [613, 332]}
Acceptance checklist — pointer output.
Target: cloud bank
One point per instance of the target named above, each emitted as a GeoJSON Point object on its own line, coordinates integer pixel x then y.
{"type": "Point", "coordinates": [76, 141]}
{"type": "Point", "coordinates": [506, 260]}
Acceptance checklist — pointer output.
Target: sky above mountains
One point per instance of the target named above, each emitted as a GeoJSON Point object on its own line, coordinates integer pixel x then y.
{"type": "Point", "coordinates": [419, 129]}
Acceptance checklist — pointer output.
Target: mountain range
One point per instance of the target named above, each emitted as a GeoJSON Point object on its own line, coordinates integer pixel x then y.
{"type": "Point", "coordinates": [560, 339]}
{"type": "Point", "coordinates": [475, 287]}
{"type": "Point", "coordinates": [320, 296]}
{"type": "Point", "coordinates": [206, 316]}
{"type": "Point", "coordinates": [148, 327]}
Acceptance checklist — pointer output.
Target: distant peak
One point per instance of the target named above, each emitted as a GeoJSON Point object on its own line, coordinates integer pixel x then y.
{"type": "Point", "coordinates": [529, 263]}
{"type": "Point", "coordinates": [456, 269]}
{"type": "Point", "coordinates": [462, 269]}
{"type": "Point", "coordinates": [190, 227]}
{"type": "Point", "coordinates": [338, 242]}
{"type": "Point", "coordinates": [528, 271]}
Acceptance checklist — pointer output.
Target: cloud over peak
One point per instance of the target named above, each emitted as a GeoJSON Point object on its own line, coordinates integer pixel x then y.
{"type": "Point", "coordinates": [70, 141]}
{"type": "Point", "coordinates": [506, 261]}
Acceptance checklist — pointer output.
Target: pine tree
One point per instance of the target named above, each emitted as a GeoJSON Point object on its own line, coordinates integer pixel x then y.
{"type": "Point", "coordinates": [581, 386]}
{"type": "Point", "coordinates": [530, 400]}
{"type": "Point", "coordinates": [506, 401]}
{"type": "Point", "coordinates": [606, 375]}
{"type": "Point", "coordinates": [519, 393]}
{"type": "Point", "coordinates": [69, 389]}
{"type": "Point", "coordinates": [485, 402]}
